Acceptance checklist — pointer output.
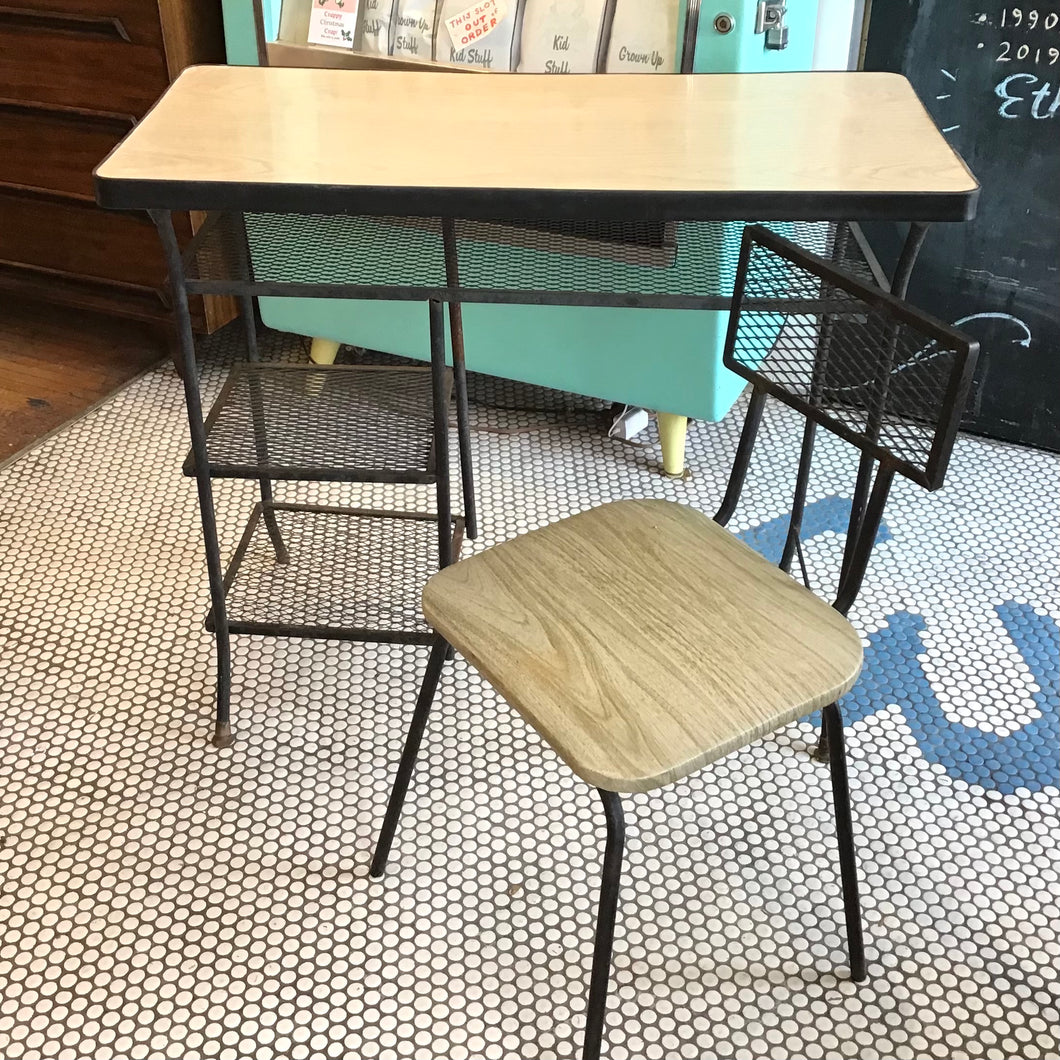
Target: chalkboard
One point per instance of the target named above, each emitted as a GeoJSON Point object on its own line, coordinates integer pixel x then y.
{"type": "Point", "coordinates": [989, 74]}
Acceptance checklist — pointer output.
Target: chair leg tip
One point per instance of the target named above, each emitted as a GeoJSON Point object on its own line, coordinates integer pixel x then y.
{"type": "Point", "coordinates": [859, 975]}
{"type": "Point", "coordinates": [222, 736]}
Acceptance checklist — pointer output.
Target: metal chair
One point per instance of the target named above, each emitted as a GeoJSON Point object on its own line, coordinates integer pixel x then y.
{"type": "Point", "coordinates": [633, 699]}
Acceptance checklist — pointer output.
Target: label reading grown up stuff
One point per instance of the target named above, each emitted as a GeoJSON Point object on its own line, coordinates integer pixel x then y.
{"type": "Point", "coordinates": [414, 25]}
{"type": "Point", "coordinates": [333, 22]}
{"type": "Point", "coordinates": [643, 37]}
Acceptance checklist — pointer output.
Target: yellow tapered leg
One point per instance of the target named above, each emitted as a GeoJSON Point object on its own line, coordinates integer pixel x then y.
{"type": "Point", "coordinates": [324, 351]}
{"type": "Point", "coordinates": [673, 430]}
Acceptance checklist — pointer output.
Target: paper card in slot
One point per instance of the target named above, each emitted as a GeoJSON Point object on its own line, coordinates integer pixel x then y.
{"type": "Point", "coordinates": [643, 37]}
{"type": "Point", "coordinates": [414, 26]}
{"type": "Point", "coordinates": [561, 36]}
{"type": "Point", "coordinates": [477, 34]}
{"type": "Point", "coordinates": [333, 22]}
{"type": "Point", "coordinates": [478, 21]}
{"type": "Point", "coordinates": [375, 26]}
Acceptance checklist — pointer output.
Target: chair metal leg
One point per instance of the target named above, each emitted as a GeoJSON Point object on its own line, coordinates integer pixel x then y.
{"type": "Point", "coordinates": [832, 731]}
{"type": "Point", "coordinates": [605, 924]}
{"type": "Point", "coordinates": [433, 672]}
{"type": "Point", "coordinates": [820, 752]}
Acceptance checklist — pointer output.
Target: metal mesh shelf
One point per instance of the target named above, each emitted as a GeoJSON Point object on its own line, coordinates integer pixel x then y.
{"type": "Point", "coordinates": [353, 574]}
{"type": "Point", "coordinates": [684, 265]}
{"type": "Point", "coordinates": [363, 423]}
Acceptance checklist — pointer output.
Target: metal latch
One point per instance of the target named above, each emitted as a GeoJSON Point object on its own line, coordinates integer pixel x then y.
{"type": "Point", "coordinates": [769, 19]}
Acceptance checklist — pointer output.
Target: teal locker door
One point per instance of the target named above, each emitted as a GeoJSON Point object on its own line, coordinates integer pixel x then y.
{"type": "Point", "coordinates": [240, 48]}
{"type": "Point", "coordinates": [727, 41]}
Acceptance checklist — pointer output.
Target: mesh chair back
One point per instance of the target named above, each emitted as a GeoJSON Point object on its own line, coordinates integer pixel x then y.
{"type": "Point", "coordinates": [886, 377]}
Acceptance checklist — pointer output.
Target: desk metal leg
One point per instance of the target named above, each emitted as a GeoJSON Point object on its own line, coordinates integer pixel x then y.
{"type": "Point", "coordinates": [463, 424]}
{"type": "Point", "coordinates": [441, 433]}
{"type": "Point", "coordinates": [456, 331]}
{"type": "Point", "coordinates": [257, 402]}
{"type": "Point", "coordinates": [223, 729]}
{"type": "Point", "coordinates": [261, 444]}
{"type": "Point", "coordinates": [793, 544]}
{"type": "Point", "coordinates": [899, 286]}
{"type": "Point", "coordinates": [903, 270]}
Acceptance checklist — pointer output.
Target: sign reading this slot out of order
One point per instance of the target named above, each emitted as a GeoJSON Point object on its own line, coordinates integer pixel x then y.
{"type": "Point", "coordinates": [476, 22]}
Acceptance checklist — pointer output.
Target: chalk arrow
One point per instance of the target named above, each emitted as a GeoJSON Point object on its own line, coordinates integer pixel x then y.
{"type": "Point", "coordinates": [999, 316]}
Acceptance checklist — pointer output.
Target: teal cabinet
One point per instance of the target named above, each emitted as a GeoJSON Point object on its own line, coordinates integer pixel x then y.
{"type": "Point", "coordinates": [668, 360]}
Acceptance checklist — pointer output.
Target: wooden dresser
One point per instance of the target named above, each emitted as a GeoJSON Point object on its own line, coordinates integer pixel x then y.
{"type": "Point", "coordinates": [75, 76]}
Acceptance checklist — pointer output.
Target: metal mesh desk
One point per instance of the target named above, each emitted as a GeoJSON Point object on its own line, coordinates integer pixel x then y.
{"type": "Point", "coordinates": [465, 163]}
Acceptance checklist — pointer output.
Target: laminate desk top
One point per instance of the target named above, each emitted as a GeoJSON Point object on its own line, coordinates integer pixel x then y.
{"type": "Point", "coordinates": [816, 146]}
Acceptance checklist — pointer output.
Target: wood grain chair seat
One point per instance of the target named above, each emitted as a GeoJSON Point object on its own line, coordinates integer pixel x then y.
{"type": "Point", "coordinates": [643, 640]}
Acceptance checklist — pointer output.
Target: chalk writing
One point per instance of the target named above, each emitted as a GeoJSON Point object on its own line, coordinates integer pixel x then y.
{"type": "Point", "coordinates": [1021, 98]}
{"type": "Point", "coordinates": [1027, 337]}
{"type": "Point", "coordinates": [1025, 52]}
{"type": "Point", "coordinates": [1043, 29]}
{"type": "Point", "coordinates": [1016, 17]}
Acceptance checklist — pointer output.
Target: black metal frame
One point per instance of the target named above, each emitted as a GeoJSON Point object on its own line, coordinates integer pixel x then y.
{"type": "Point", "coordinates": [870, 493]}
{"type": "Point", "coordinates": [863, 529]}
{"type": "Point", "coordinates": [537, 203]}
{"type": "Point", "coordinates": [452, 289]}
{"type": "Point", "coordinates": [261, 513]}
{"type": "Point", "coordinates": [322, 470]}
{"type": "Point", "coordinates": [244, 285]}
{"type": "Point", "coordinates": [900, 311]}
{"type": "Point", "coordinates": [860, 548]}
{"type": "Point", "coordinates": [450, 530]}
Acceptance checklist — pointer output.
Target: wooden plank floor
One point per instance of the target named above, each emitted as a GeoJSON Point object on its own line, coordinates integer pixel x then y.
{"type": "Point", "coordinates": [56, 362]}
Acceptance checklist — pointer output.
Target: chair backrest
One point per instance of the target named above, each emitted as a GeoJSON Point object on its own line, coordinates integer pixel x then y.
{"type": "Point", "coordinates": [851, 358]}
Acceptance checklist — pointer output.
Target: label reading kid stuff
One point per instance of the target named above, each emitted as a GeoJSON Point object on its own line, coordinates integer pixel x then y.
{"type": "Point", "coordinates": [333, 22]}
{"type": "Point", "coordinates": [474, 23]}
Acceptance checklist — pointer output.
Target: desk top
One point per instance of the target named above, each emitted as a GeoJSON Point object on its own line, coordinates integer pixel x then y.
{"type": "Point", "coordinates": [709, 146]}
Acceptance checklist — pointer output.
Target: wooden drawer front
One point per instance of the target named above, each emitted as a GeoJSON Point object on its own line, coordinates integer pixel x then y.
{"type": "Point", "coordinates": [76, 69]}
{"type": "Point", "coordinates": [54, 151]}
{"type": "Point", "coordinates": [79, 239]}
{"type": "Point", "coordinates": [134, 20]}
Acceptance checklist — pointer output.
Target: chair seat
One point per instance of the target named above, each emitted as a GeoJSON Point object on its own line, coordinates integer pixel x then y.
{"type": "Point", "coordinates": [642, 640]}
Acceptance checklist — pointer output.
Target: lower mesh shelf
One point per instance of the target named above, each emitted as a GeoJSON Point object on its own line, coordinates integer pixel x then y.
{"type": "Point", "coordinates": [352, 574]}
{"type": "Point", "coordinates": [363, 423]}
